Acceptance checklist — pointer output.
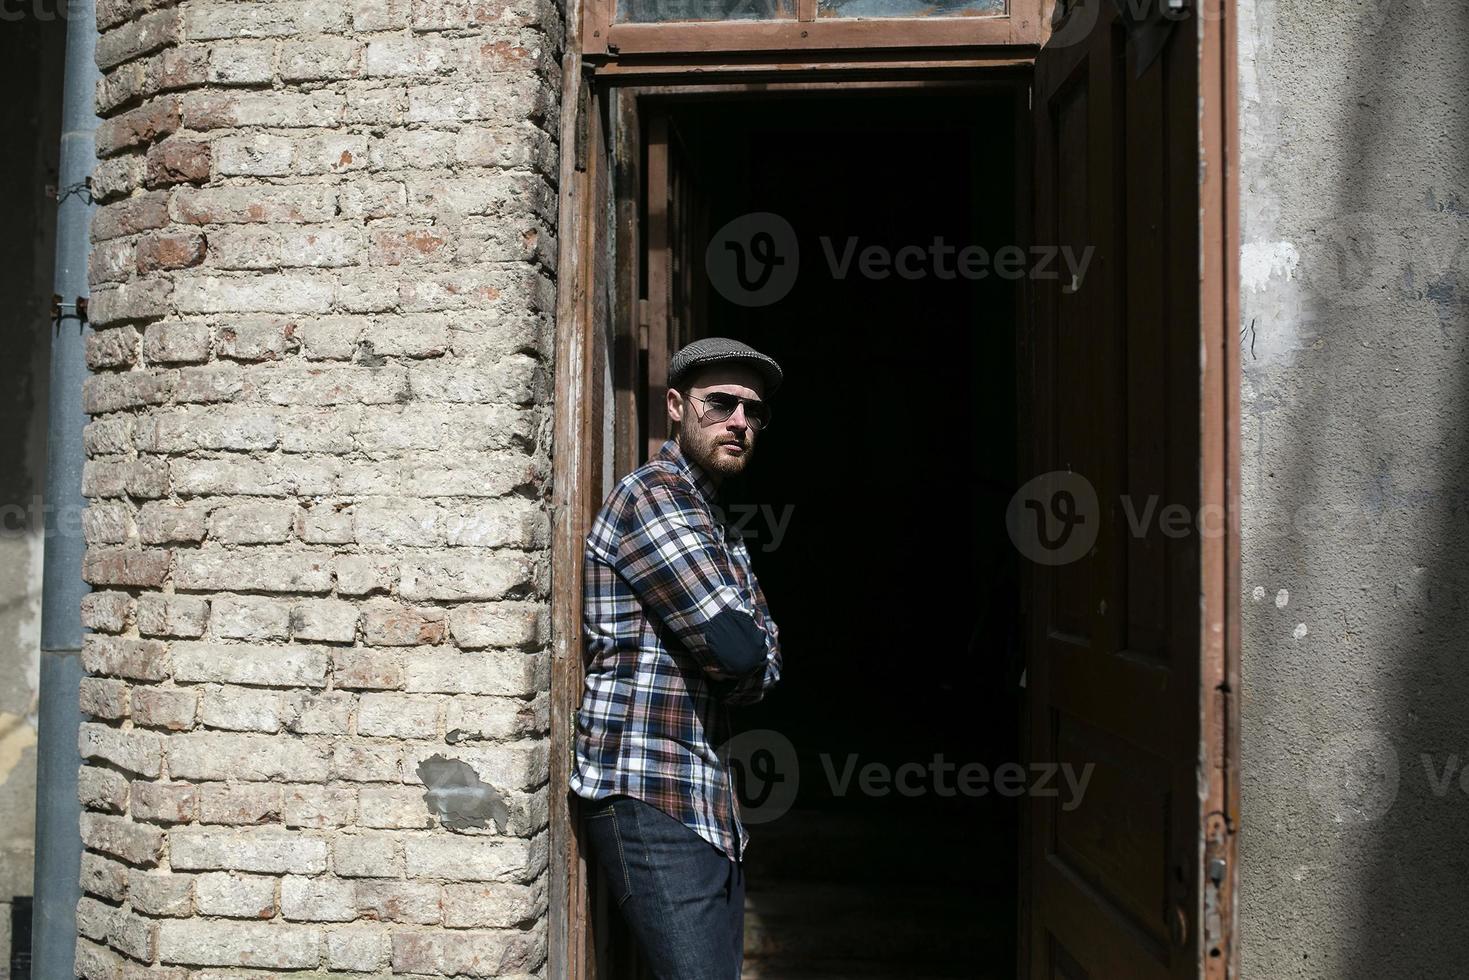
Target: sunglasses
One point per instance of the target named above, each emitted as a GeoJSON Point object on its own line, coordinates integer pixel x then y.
{"type": "Point", "coordinates": [719, 406]}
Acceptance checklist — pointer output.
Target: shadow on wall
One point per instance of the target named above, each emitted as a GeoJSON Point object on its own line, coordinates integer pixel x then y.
{"type": "Point", "coordinates": [1357, 767]}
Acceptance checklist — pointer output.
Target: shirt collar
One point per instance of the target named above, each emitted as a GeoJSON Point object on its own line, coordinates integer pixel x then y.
{"type": "Point", "coordinates": [707, 485]}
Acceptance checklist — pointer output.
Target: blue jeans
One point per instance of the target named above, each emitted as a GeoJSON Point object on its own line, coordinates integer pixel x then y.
{"type": "Point", "coordinates": [683, 899]}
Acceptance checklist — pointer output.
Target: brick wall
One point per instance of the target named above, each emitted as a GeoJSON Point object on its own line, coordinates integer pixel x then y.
{"type": "Point", "coordinates": [318, 468]}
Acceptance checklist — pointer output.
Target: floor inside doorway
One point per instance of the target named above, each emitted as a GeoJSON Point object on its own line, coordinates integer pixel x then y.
{"type": "Point", "coordinates": [878, 526]}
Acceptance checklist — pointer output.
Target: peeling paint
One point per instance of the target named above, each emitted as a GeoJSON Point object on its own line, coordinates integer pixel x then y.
{"type": "Point", "coordinates": [1300, 631]}
{"type": "Point", "coordinates": [458, 797]}
{"type": "Point", "coordinates": [1259, 262]}
{"type": "Point", "coordinates": [16, 735]}
{"type": "Point", "coordinates": [1281, 598]}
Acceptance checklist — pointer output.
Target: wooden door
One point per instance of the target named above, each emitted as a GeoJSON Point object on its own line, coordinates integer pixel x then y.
{"type": "Point", "coordinates": [675, 230]}
{"type": "Point", "coordinates": [1130, 520]}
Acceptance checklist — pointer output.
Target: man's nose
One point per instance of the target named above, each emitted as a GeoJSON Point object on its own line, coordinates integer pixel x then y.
{"type": "Point", "coordinates": [737, 418]}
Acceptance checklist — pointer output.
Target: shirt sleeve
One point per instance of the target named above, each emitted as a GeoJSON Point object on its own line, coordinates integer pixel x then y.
{"type": "Point", "coordinates": [752, 687]}
{"type": "Point", "coordinates": [670, 555]}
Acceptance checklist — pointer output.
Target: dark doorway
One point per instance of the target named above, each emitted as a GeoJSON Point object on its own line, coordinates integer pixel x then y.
{"type": "Point", "coordinates": [874, 514]}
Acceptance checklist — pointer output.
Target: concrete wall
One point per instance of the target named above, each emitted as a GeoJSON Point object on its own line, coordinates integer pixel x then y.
{"type": "Point", "coordinates": [30, 63]}
{"type": "Point", "coordinates": [317, 467]}
{"type": "Point", "coordinates": [1356, 425]}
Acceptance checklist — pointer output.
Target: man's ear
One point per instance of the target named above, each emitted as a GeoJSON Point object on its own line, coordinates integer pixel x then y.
{"type": "Point", "coordinates": [675, 405]}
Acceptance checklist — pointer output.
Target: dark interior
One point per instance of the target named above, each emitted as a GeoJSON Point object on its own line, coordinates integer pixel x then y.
{"type": "Point", "coordinates": [889, 461]}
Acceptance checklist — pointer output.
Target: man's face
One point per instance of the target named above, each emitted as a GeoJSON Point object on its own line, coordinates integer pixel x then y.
{"type": "Point", "coordinates": [720, 448]}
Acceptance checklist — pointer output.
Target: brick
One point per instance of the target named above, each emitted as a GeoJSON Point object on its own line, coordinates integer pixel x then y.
{"type": "Point", "coordinates": [164, 802]}
{"type": "Point", "coordinates": [324, 620]}
{"type": "Point", "coordinates": [146, 34]}
{"type": "Point", "coordinates": [326, 713]}
{"type": "Point", "coordinates": [166, 521]}
{"type": "Point", "coordinates": [94, 962]}
{"type": "Point", "coordinates": [177, 343]}
{"type": "Point", "coordinates": [257, 340]}
{"type": "Point", "coordinates": [106, 523]}
{"type": "Point", "coordinates": [169, 894]}
{"type": "Point", "coordinates": [271, 666]}
{"type": "Point", "coordinates": [366, 762]}
{"type": "Point", "coordinates": [512, 674]}
{"type": "Point", "coordinates": [252, 522]}
{"type": "Point", "coordinates": [367, 855]}
{"type": "Point", "coordinates": [125, 566]}
{"type": "Point", "coordinates": [178, 161]}
{"type": "Point", "coordinates": [234, 205]}
{"type": "Point", "coordinates": [117, 177]}
{"type": "Point", "coordinates": [379, 15]}
{"type": "Point", "coordinates": [331, 153]}
{"type": "Point", "coordinates": [101, 437]}
{"type": "Point", "coordinates": [103, 877]}
{"type": "Point", "coordinates": [256, 569]}
{"type": "Point", "coordinates": [167, 251]}
{"type": "Point", "coordinates": [398, 716]}
{"type": "Point", "coordinates": [287, 292]}
{"type": "Point", "coordinates": [233, 943]}
{"type": "Point", "coordinates": [313, 246]}
{"type": "Point", "coordinates": [240, 803]}
{"type": "Point", "coordinates": [254, 155]}
{"type": "Point", "coordinates": [398, 901]}
{"type": "Point", "coordinates": [144, 124]}
{"type": "Point", "coordinates": [320, 58]}
{"type": "Point", "coordinates": [102, 789]}
{"type": "Point", "coordinates": [319, 807]}
{"type": "Point", "coordinates": [137, 844]}
{"type": "Point", "coordinates": [364, 574]}
{"type": "Point", "coordinates": [487, 575]}
{"type": "Point", "coordinates": [455, 858]}
{"type": "Point", "coordinates": [136, 214]}
{"type": "Point", "coordinates": [357, 948]}
{"type": "Point", "coordinates": [241, 709]}
{"type": "Point", "coordinates": [487, 953]}
{"type": "Point", "coordinates": [226, 755]}
{"type": "Point", "coordinates": [143, 300]}
{"type": "Point", "coordinates": [505, 625]}
{"type": "Point", "coordinates": [232, 62]}
{"type": "Point", "coordinates": [172, 615]}
{"type": "Point", "coordinates": [324, 524]}
{"type": "Point", "coordinates": [111, 261]}
{"type": "Point", "coordinates": [333, 385]}
{"type": "Point", "coordinates": [192, 428]}
{"type": "Point", "coordinates": [143, 477]}
{"type": "Point", "coordinates": [318, 899]}
{"type": "Point", "coordinates": [394, 808]}
{"type": "Point", "coordinates": [141, 660]}
{"type": "Point", "coordinates": [469, 718]}
{"type": "Point", "coordinates": [214, 383]}
{"type": "Point", "coordinates": [171, 708]}
{"type": "Point", "coordinates": [367, 670]}
{"type": "Point", "coordinates": [501, 905]}
{"type": "Point", "coordinates": [251, 477]}
{"type": "Point", "coordinates": [249, 618]}
{"type": "Point", "coordinates": [111, 392]}
{"type": "Point", "coordinates": [267, 19]}
{"type": "Point", "coordinates": [387, 623]}
{"type": "Point", "coordinates": [234, 896]}
{"type": "Point", "coordinates": [514, 766]}
{"type": "Point", "coordinates": [263, 850]}
{"type": "Point", "coordinates": [276, 109]}
{"type": "Point", "coordinates": [106, 612]}
{"type": "Point", "coordinates": [103, 698]}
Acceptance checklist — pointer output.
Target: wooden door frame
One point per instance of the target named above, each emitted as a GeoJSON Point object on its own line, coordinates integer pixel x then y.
{"type": "Point", "coordinates": [585, 357]}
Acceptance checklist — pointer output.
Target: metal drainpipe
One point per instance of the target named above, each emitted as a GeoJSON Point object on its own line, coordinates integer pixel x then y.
{"type": "Point", "coordinates": [58, 812]}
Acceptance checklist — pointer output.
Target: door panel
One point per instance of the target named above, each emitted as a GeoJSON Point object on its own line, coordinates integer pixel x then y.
{"type": "Point", "coordinates": [1120, 679]}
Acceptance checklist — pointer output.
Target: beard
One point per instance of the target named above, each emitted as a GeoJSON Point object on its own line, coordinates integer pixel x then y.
{"type": "Point", "coordinates": [708, 454]}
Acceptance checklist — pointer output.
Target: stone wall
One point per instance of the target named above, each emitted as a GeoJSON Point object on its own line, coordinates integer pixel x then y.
{"type": "Point", "coordinates": [318, 467]}
{"type": "Point", "coordinates": [1355, 217]}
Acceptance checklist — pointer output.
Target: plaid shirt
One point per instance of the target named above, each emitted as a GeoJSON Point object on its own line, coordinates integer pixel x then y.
{"type": "Point", "coordinates": [660, 563]}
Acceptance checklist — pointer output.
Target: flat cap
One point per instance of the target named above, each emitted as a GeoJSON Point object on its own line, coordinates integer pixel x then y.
{"type": "Point", "coordinates": [721, 350]}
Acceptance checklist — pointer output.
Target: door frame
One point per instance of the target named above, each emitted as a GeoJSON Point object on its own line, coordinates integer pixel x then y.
{"type": "Point", "coordinates": [592, 430]}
